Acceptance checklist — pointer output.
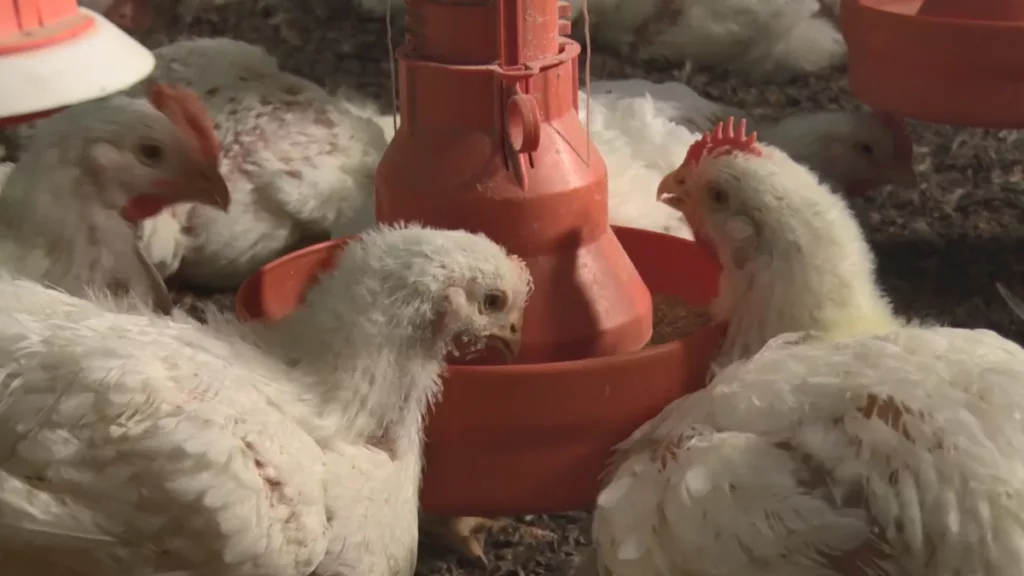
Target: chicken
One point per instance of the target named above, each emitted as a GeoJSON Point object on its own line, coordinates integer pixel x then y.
{"type": "Point", "coordinates": [140, 443]}
{"type": "Point", "coordinates": [891, 454]}
{"type": "Point", "coordinates": [298, 164]}
{"type": "Point", "coordinates": [838, 439]}
{"type": "Point", "coordinates": [793, 255]}
{"type": "Point", "coordinates": [774, 38]}
{"type": "Point", "coordinates": [70, 206]}
{"type": "Point", "coordinates": [854, 152]}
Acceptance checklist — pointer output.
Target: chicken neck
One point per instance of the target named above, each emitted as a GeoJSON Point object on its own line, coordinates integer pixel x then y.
{"type": "Point", "coordinates": [370, 378]}
{"type": "Point", "coordinates": [77, 239]}
{"type": "Point", "coordinates": [814, 271]}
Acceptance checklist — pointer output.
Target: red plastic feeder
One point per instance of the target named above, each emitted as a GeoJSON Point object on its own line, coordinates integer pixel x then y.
{"type": "Point", "coordinates": [54, 54]}
{"type": "Point", "coordinates": [491, 141]}
{"type": "Point", "coordinates": [944, 61]}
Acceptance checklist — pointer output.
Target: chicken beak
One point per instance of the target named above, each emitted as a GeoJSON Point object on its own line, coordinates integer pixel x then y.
{"type": "Point", "coordinates": [903, 176]}
{"type": "Point", "coordinates": [205, 185]}
{"type": "Point", "coordinates": [507, 342]}
{"type": "Point", "coordinates": [692, 217]}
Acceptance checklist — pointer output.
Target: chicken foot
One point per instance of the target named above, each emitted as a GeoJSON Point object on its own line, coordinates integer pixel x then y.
{"type": "Point", "coordinates": [461, 534]}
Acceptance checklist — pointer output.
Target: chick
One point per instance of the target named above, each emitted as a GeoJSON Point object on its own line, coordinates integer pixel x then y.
{"type": "Point", "coordinates": [793, 255]}
{"type": "Point", "coordinates": [70, 207]}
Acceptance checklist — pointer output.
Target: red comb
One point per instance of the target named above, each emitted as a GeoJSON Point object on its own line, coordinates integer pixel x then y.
{"type": "Point", "coordinates": [722, 140]}
{"type": "Point", "coordinates": [903, 146]}
{"type": "Point", "coordinates": [186, 111]}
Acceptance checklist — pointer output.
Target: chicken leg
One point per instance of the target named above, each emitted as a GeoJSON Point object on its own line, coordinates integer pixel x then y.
{"type": "Point", "coordinates": [461, 534]}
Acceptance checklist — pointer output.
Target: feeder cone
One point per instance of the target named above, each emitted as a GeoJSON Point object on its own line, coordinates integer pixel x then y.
{"type": "Point", "coordinates": [490, 141]}
{"type": "Point", "coordinates": [54, 54]}
{"type": "Point", "coordinates": [945, 61]}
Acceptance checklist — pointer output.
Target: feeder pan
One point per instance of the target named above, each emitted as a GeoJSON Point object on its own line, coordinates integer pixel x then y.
{"type": "Point", "coordinates": [506, 440]}
{"type": "Point", "coordinates": [955, 62]}
{"type": "Point", "coordinates": [54, 54]}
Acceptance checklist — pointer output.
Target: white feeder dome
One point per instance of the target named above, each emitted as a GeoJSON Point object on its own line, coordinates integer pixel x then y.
{"type": "Point", "coordinates": [54, 53]}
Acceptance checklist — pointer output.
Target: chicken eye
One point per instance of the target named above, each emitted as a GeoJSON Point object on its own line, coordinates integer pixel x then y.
{"type": "Point", "coordinates": [718, 196]}
{"type": "Point", "coordinates": [495, 301]}
{"type": "Point", "coordinates": [865, 149]}
{"type": "Point", "coordinates": [149, 153]}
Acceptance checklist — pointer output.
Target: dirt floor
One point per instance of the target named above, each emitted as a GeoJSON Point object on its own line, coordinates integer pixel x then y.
{"type": "Point", "coordinates": [941, 248]}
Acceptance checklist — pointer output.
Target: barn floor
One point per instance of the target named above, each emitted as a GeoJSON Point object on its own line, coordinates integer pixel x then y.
{"type": "Point", "coordinates": [940, 248]}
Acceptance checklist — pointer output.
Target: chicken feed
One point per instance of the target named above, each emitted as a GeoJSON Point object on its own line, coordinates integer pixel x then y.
{"type": "Point", "coordinates": [675, 319]}
{"type": "Point", "coordinates": [940, 248]}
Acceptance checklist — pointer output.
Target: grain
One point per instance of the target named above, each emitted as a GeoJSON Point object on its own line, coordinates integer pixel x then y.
{"type": "Point", "coordinates": [675, 319]}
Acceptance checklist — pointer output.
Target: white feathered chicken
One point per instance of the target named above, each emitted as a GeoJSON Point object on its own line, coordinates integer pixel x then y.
{"type": "Point", "coordinates": [91, 174]}
{"type": "Point", "coordinates": [857, 445]}
{"type": "Point", "coordinates": [298, 162]}
{"type": "Point", "coordinates": [778, 38]}
{"type": "Point", "coordinates": [138, 443]}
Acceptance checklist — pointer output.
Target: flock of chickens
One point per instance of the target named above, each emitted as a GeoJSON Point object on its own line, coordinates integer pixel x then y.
{"type": "Point", "coordinates": [834, 437]}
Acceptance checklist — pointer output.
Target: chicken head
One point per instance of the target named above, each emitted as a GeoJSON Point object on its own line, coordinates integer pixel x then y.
{"type": "Point", "coordinates": [872, 153]}
{"type": "Point", "coordinates": [160, 153]}
{"type": "Point", "coordinates": [704, 194]}
{"type": "Point", "coordinates": [855, 152]}
{"type": "Point", "coordinates": [484, 320]}
{"type": "Point", "coordinates": [744, 198]}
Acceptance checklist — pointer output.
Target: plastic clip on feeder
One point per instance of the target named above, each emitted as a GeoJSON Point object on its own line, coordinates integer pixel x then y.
{"type": "Point", "coordinates": [54, 54]}
{"type": "Point", "coordinates": [944, 61]}
{"type": "Point", "coordinates": [490, 140]}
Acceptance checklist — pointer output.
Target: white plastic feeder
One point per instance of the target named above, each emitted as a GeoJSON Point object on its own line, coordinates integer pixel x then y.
{"type": "Point", "coordinates": [54, 54]}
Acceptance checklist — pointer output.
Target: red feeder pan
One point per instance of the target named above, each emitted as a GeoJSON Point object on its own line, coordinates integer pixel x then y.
{"type": "Point", "coordinates": [54, 54]}
{"type": "Point", "coordinates": [535, 438]}
{"type": "Point", "coordinates": [945, 61]}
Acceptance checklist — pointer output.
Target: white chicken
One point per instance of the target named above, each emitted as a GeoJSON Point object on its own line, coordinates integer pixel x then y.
{"type": "Point", "coordinates": [298, 162]}
{"type": "Point", "coordinates": [141, 443]}
{"type": "Point", "coordinates": [777, 38]}
{"type": "Point", "coordinates": [92, 173]}
{"type": "Point", "coordinates": [851, 444]}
